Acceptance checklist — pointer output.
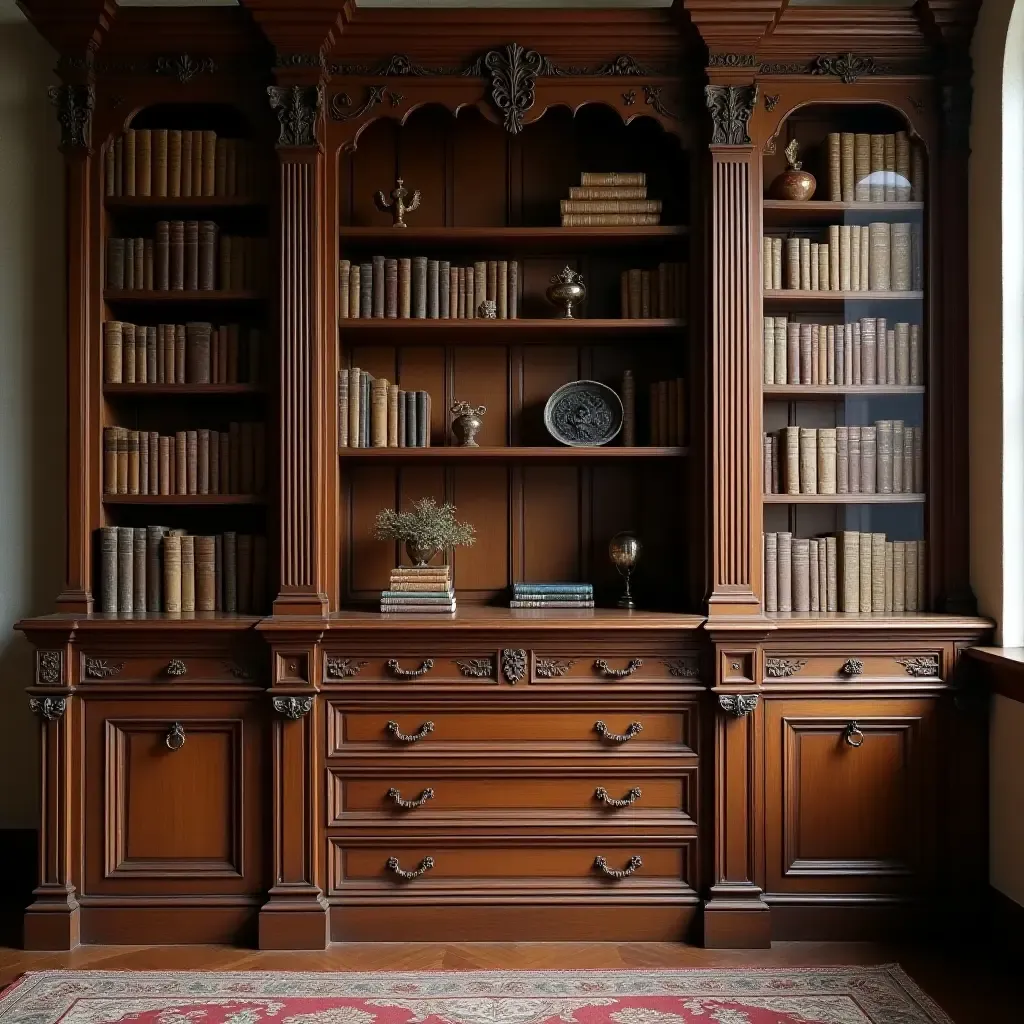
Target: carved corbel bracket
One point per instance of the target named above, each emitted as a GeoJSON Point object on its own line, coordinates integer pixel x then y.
{"type": "Point", "coordinates": [74, 105]}
{"type": "Point", "coordinates": [51, 708]}
{"type": "Point", "coordinates": [298, 109]}
{"type": "Point", "coordinates": [739, 705]}
{"type": "Point", "coordinates": [730, 107]}
{"type": "Point", "coordinates": [293, 707]}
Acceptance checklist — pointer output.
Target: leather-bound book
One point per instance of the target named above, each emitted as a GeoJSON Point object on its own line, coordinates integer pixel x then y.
{"type": "Point", "coordinates": [917, 182]}
{"type": "Point", "coordinates": [902, 167]}
{"type": "Point", "coordinates": [780, 349]}
{"type": "Point", "coordinates": [139, 260]}
{"type": "Point", "coordinates": [879, 248]}
{"type": "Point", "coordinates": [130, 173]}
{"type": "Point", "coordinates": [865, 572]}
{"type": "Point", "coordinates": [107, 582]}
{"type": "Point", "coordinates": [209, 163]}
{"type": "Point", "coordinates": [922, 576]}
{"type": "Point", "coordinates": [354, 396]}
{"type": "Point", "coordinates": [390, 289]}
{"type": "Point", "coordinates": [808, 460]}
{"type": "Point", "coordinates": [122, 460]}
{"type": "Point", "coordinates": [110, 460]}
{"type": "Point", "coordinates": [479, 285]}
{"type": "Point", "coordinates": [129, 264]}
{"type": "Point", "coordinates": [172, 572]}
{"type": "Point", "coordinates": [220, 167]}
{"type": "Point", "coordinates": [881, 365]}
{"type": "Point", "coordinates": [902, 341]}
{"type": "Point", "coordinates": [401, 419]}
{"type": "Point", "coordinates": [433, 290]}
{"type": "Point", "coordinates": [218, 459]}
{"type": "Point", "coordinates": [197, 163]}
{"type": "Point", "coordinates": [443, 289]}
{"type": "Point", "coordinates": [776, 463]}
{"type": "Point", "coordinates": [646, 295]}
{"type": "Point", "coordinates": [186, 164]}
{"type": "Point", "coordinates": [816, 361]}
{"type": "Point", "coordinates": [910, 556]}
{"type": "Point", "coordinates": [422, 419]}
{"type": "Point", "coordinates": [343, 408]}
{"type": "Point", "coordinates": [110, 184]}
{"type": "Point", "coordinates": [144, 462]}
{"type": "Point", "coordinates": [766, 463]}
{"type": "Point", "coordinates": [815, 572]}
{"type": "Point", "coordinates": [203, 461]}
{"type": "Point", "coordinates": [864, 249]}
{"type": "Point", "coordinates": [884, 455]}
{"type": "Point", "coordinates": [419, 287]}
{"type": "Point", "coordinates": [898, 440]}
{"type": "Point", "coordinates": [181, 462]}
{"type": "Point", "coordinates": [156, 179]}
{"type": "Point", "coordinates": [877, 181]}
{"type": "Point", "coordinates": [915, 354]}
{"type": "Point", "coordinates": [154, 463]}
{"type": "Point", "coordinates": [827, 461]}
{"type": "Point", "coordinates": [179, 354]}
{"type": "Point", "coordinates": [143, 162]}
{"type": "Point", "coordinates": [854, 438]}
{"type": "Point", "coordinates": [165, 455]}
{"type": "Point", "coordinates": [161, 353]}
{"type": "Point", "coordinates": [230, 557]}
{"type": "Point", "coordinates": [125, 570]}
{"type": "Point", "coordinates": [805, 354]}
{"type": "Point", "coordinates": [115, 263]}
{"type": "Point", "coordinates": [844, 246]}
{"type": "Point", "coordinates": [771, 572]}
{"type": "Point", "coordinates": [835, 165]}
{"type": "Point", "coordinates": [847, 166]}
{"type": "Point", "coordinates": [192, 461]}
{"type": "Point", "coordinates": [162, 256]}
{"type": "Point", "coordinates": [900, 270]}
{"type": "Point", "coordinates": [918, 462]}
{"type": "Point", "coordinates": [344, 269]}
{"type": "Point", "coordinates": [792, 353]}
{"type": "Point", "coordinates": [207, 255]}
{"type": "Point", "coordinates": [153, 540]}
{"type": "Point", "coordinates": [827, 337]}
{"type": "Point", "coordinates": [855, 258]}
{"type": "Point", "coordinates": [831, 574]}
{"type": "Point", "coordinates": [454, 312]}
{"type": "Point", "coordinates": [151, 356]}
{"type": "Point", "coordinates": [834, 259]}
{"type": "Point", "coordinates": [801, 575]}
{"type": "Point", "coordinates": [877, 572]}
{"type": "Point", "coordinates": [792, 435]}
{"type": "Point", "coordinates": [628, 409]}
{"type": "Point", "coordinates": [410, 419]}
{"type": "Point", "coordinates": [133, 461]}
{"type": "Point", "coordinates": [785, 557]}
{"type": "Point", "coordinates": [889, 163]}
{"type": "Point", "coordinates": [890, 356]}
{"type": "Point", "coordinates": [244, 572]}
{"type": "Point", "coordinates": [231, 355]}
{"type": "Point", "coordinates": [113, 335]}
{"type": "Point", "coordinates": [174, 146]}
{"type": "Point", "coordinates": [205, 573]}
{"type": "Point", "coordinates": [899, 577]}
{"type": "Point", "coordinates": [188, 573]}
{"type": "Point", "coordinates": [470, 308]}
{"type": "Point", "coordinates": [868, 444]}
{"type": "Point", "coordinates": [365, 409]}
{"type": "Point", "coordinates": [868, 356]}
{"type": "Point", "coordinates": [177, 237]}
{"type": "Point", "coordinates": [225, 262]}
{"type": "Point", "coordinates": [218, 572]}
{"type": "Point", "coordinates": [259, 574]}
{"type": "Point", "coordinates": [513, 290]}
{"type": "Point", "coordinates": [377, 287]}
{"type": "Point", "coordinates": [391, 398]}
{"type": "Point", "coordinates": [459, 273]}
{"type": "Point", "coordinates": [854, 356]}
{"type": "Point", "coordinates": [197, 352]}
{"type": "Point", "coordinates": [404, 288]}
{"type": "Point", "coordinates": [147, 264]}
{"type": "Point", "coordinates": [842, 363]}
{"type": "Point", "coordinates": [636, 289]}
{"type": "Point", "coordinates": [491, 292]}
{"type": "Point", "coordinates": [815, 284]}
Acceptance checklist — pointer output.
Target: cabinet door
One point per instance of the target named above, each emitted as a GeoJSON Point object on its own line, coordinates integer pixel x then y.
{"type": "Point", "coordinates": [850, 795]}
{"type": "Point", "coordinates": [175, 796]}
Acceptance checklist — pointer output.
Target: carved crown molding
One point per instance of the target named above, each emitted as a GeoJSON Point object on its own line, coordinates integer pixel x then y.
{"type": "Point", "coordinates": [297, 107]}
{"type": "Point", "coordinates": [400, 65]}
{"type": "Point", "coordinates": [74, 105]}
{"type": "Point", "coordinates": [732, 60]}
{"type": "Point", "coordinates": [730, 107]}
{"type": "Point", "coordinates": [847, 67]}
{"type": "Point", "coordinates": [182, 66]}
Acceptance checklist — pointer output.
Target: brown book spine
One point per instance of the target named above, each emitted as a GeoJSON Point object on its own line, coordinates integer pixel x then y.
{"type": "Point", "coordinates": [405, 288]}
{"type": "Point", "coordinates": [378, 413]}
{"type": "Point", "coordinates": [234, 464]}
{"type": "Point", "coordinates": [143, 162]}
{"type": "Point", "coordinates": [635, 294]}
{"type": "Point", "coordinates": [785, 559]}
{"type": "Point", "coordinates": [130, 173]}
{"type": "Point", "coordinates": [207, 255]}
{"type": "Point", "coordinates": [208, 179]}
{"type": "Point", "coordinates": [628, 409]}
{"type": "Point", "coordinates": [197, 163]}
{"type": "Point", "coordinates": [513, 290]}
{"type": "Point", "coordinates": [112, 351]}
{"type": "Point", "coordinates": [390, 289]}
{"type": "Point", "coordinates": [205, 574]}
{"type": "Point", "coordinates": [144, 462]}
{"type": "Point", "coordinates": [813, 573]}
{"type": "Point", "coordinates": [173, 162]}
{"type": "Point", "coordinates": [771, 572]}
{"type": "Point", "coordinates": [202, 461]}
{"type": "Point", "coordinates": [502, 289]}
{"type": "Point", "coordinates": [162, 256]}
{"type": "Point", "coordinates": [197, 352]}
{"type": "Point", "coordinates": [218, 458]}
{"type": "Point", "coordinates": [191, 255]}
{"type": "Point", "coordinates": [181, 462]}
{"type": "Point", "coordinates": [343, 408]}
{"type": "Point", "coordinates": [459, 273]}
{"type": "Point", "coordinates": [354, 402]}
{"type": "Point", "coordinates": [177, 254]}
{"type": "Point", "coordinates": [243, 555]}
{"type": "Point", "coordinates": [801, 575]}
{"type": "Point", "coordinates": [186, 164]}
{"type": "Point", "coordinates": [454, 293]}
{"type": "Point", "coordinates": [179, 354]}
{"type": "Point", "coordinates": [122, 460]}
{"type": "Point", "coordinates": [158, 174]}
{"type": "Point", "coordinates": [188, 573]}
{"type": "Point", "coordinates": [377, 295]}
{"type": "Point", "coordinates": [115, 263]}
{"type": "Point", "coordinates": [766, 461]}
{"type": "Point", "coordinates": [133, 462]}
{"type": "Point", "coordinates": [781, 327]}
{"type": "Point", "coordinates": [125, 570]}
{"type": "Point", "coordinates": [344, 270]}
{"type": "Point", "coordinates": [139, 595]}
{"type": "Point", "coordinates": [393, 399]}
{"type": "Point", "coordinates": [918, 459]}
{"type": "Point", "coordinates": [192, 461]}
{"type": "Point", "coordinates": [479, 286]}
{"type": "Point", "coordinates": [172, 572]}
{"type": "Point", "coordinates": [110, 183]}
{"type": "Point", "coordinates": [164, 476]}
{"type": "Point", "coordinates": [110, 460]}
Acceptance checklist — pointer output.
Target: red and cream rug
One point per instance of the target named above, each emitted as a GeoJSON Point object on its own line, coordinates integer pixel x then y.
{"type": "Point", "coordinates": [836, 995]}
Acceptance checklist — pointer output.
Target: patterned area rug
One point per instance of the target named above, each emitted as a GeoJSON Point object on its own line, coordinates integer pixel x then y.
{"type": "Point", "coordinates": [830, 995]}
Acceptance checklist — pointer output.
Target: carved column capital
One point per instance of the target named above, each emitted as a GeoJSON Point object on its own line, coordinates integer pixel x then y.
{"type": "Point", "coordinates": [293, 707]}
{"type": "Point", "coordinates": [298, 110]}
{"type": "Point", "coordinates": [739, 705]}
{"type": "Point", "coordinates": [74, 105]}
{"type": "Point", "coordinates": [730, 107]}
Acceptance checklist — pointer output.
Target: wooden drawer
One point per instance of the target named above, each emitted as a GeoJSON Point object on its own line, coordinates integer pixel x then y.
{"type": "Point", "coordinates": [426, 728]}
{"type": "Point", "coordinates": [431, 794]}
{"type": "Point", "coordinates": [858, 666]}
{"type": "Point", "coordinates": [99, 666]}
{"type": "Point", "coordinates": [588, 865]}
{"type": "Point", "coordinates": [473, 668]}
{"type": "Point", "coordinates": [609, 667]}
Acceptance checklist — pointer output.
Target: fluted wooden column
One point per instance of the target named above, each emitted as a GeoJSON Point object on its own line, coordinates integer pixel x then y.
{"type": "Point", "coordinates": [302, 518]}
{"type": "Point", "coordinates": [74, 103]}
{"type": "Point", "coordinates": [735, 354]}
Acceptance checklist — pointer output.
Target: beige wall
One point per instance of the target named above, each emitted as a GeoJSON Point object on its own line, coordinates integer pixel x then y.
{"type": "Point", "coordinates": [32, 392]}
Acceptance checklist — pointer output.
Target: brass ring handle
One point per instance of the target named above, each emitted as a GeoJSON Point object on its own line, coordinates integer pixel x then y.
{"type": "Point", "coordinates": [175, 738]}
{"type": "Point", "coordinates": [852, 667]}
{"type": "Point", "coordinates": [850, 732]}
{"type": "Point", "coordinates": [408, 805]}
{"type": "Point", "coordinates": [609, 801]}
{"type": "Point", "coordinates": [424, 730]}
{"type": "Point", "coordinates": [424, 866]}
{"type": "Point", "coordinates": [631, 867]}
{"type": "Point", "coordinates": [410, 673]}
{"type": "Point", "coordinates": [605, 669]}
{"type": "Point", "coordinates": [605, 733]}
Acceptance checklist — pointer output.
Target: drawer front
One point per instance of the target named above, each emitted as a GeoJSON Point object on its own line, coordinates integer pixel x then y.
{"type": "Point", "coordinates": [430, 795]}
{"type": "Point", "coordinates": [428, 728]}
{"type": "Point", "coordinates": [472, 668]}
{"type": "Point", "coordinates": [858, 666]}
{"type": "Point", "coordinates": [610, 667]}
{"type": "Point", "coordinates": [98, 666]}
{"type": "Point", "coordinates": [591, 865]}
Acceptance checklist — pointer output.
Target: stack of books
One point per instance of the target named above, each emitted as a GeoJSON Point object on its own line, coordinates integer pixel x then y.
{"type": "Point", "coordinates": [610, 200]}
{"type": "Point", "coordinates": [552, 595]}
{"type": "Point", "coordinates": [374, 413]}
{"type": "Point", "coordinates": [419, 589]}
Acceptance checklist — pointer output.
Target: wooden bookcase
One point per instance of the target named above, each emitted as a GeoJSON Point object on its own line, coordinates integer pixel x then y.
{"type": "Point", "coordinates": [385, 777]}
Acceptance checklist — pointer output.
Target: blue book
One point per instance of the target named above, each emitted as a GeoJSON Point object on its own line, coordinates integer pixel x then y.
{"type": "Point", "coordinates": [525, 595]}
{"type": "Point", "coordinates": [554, 588]}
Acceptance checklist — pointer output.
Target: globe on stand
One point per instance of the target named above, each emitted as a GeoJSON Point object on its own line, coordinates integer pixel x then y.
{"type": "Point", "coordinates": [624, 550]}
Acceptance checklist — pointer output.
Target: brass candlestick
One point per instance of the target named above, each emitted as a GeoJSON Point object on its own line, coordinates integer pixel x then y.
{"type": "Point", "coordinates": [398, 206]}
{"type": "Point", "coordinates": [624, 550]}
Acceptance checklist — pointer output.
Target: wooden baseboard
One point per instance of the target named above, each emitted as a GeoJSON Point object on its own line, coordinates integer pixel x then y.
{"type": "Point", "coordinates": [20, 857]}
{"type": "Point", "coordinates": [1006, 926]}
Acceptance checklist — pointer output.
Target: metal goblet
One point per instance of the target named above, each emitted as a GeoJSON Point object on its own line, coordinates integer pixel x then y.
{"type": "Point", "coordinates": [624, 550]}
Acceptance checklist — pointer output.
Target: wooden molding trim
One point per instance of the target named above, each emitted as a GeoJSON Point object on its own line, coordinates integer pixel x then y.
{"type": "Point", "coordinates": [1004, 669]}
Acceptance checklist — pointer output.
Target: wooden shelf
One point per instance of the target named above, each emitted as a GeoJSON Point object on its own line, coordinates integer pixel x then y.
{"type": "Point", "coordinates": [784, 211]}
{"type": "Point", "coordinates": [806, 297]}
{"type": "Point", "coordinates": [506, 332]}
{"type": "Point", "coordinates": [843, 499]}
{"type": "Point", "coordinates": [184, 499]}
{"type": "Point", "coordinates": [559, 454]}
{"type": "Point", "coordinates": [875, 620]}
{"type": "Point", "coordinates": [184, 390]}
{"type": "Point", "coordinates": [809, 392]}
{"type": "Point", "coordinates": [488, 617]}
{"type": "Point", "coordinates": [117, 204]}
{"type": "Point", "coordinates": [137, 296]}
{"type": "Point", "coordinates": [536, 239]}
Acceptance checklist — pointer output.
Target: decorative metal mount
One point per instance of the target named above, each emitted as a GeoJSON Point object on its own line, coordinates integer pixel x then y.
{"type": "Point", "coordinates": [633, 729]}
{"type": "Point", "coordinates": [602, 666]}
{"type": "Point", "coordinates": [296, 107]}
{"type": "Point", "coordinates": [342, 668]}
{"type": "Point", "coordinates": [293, 707]}
{"type": "Point", "coordinates": [395, 668]}
{"type": "Point", "coordinates": [920, 666]}
{"type": "Point", "coordinates": [730, 107]}
{"type": "Point", "coordinates": [51, 708]}
{"type": "Point", "coordinates": [184, 66]}
{"type": "Point", "coordinates": [513, 664]}
{"type": "Point", "coordinates": [633, 865]}
{"type": "Point", "coordinates": [739, 705]}
{"type": "Point", "coordinates": [424, 866]}
{"type": "Point", "coordinates": [413, 737]}
{"type": "Point", "coordinates": [100, 668]}
{"type": "Point", "coordinates": [682, 668]}
{"type": "Point", "coordinates": [49, 666]}
{"type": "Point", "coordinates": [408, 805]}
{"type": "Point", "coordinates": [853, 736]}
{"type": "Point", "coordinates": [74, 105]}
{"type": "Point", "coordinates": [476, 668]}
{"type": "Point", "coordinates": [175, 738]}
{"type": "Point", "coordinates": [548, 668]}
{"type": "Point", "coordinates": [630, 798]}
{"type": "Point", "coordinates": [781, 668]}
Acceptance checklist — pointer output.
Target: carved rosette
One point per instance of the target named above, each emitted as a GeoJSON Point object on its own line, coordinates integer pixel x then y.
{"type": "Point", "coordinates": [49, 667]}
{"type": "Point", "coordinates": [920, 666]}
{"type": "Point", "coordinates": [848, 67]}
{"type": "Point", "coordinates": [297, 107]}
{"type": "Point", "coordinates": [476, 668]}
{"type": "Point", "coordinates": [74, 105]}
{"type": "Point", "coordinates": [739, 705]}
{"type": "Point", "coordinates": [548, 668]}
{"type": "Point", "coordinates": [730, 107]}
{"type": "Point", "coordinates": [51, 708]}
{"type": "Point", "coordinates": [513, 664]}
{"type": "Point", "coordinates": [100, 668]}
{"type": "Point", "coordinates": [184, 66]}
{"type": "Point", "coordinates": [341, 668]}
{"type": "Point", "coordinates": [781, 668]}
{"type": "Point", "coordinates": [513, 73]}
{"type": "Point", "coordinates": [293, 707]}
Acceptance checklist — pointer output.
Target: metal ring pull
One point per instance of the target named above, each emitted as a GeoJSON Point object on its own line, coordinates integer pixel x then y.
{"type": "Point", "coordinates": [631, 867]}
{"type": "Point", "coordinates": [609, 801]}
{"type": "Point", "coordinates": [175, 738]}
{"type": "Point", "coordinates": [408, 805]}
{"type": "Point", "coordinates": [424, 866]}
{"type": "Point", "coordinates": [424, 730]}
{"type": "Point", "coordinates": [618, 737]}
{"type": "Point", "coordinates": [605, 669]}
{"type": "Point", "coordinates": [410, 673]}
{"type": "Point", "coordinates": [850, 732]}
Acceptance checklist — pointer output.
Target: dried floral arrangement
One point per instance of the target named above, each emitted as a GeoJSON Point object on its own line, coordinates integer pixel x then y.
{"type": "Point", "coordinates": [428, 525]}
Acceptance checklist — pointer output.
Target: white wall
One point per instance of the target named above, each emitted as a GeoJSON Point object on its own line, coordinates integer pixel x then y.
{"type": "Point", "coordinates": [32, 393]}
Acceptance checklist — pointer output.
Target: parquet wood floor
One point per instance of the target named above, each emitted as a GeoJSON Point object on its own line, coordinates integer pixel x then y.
{"type": "Point", "coordinates": [972, 987]}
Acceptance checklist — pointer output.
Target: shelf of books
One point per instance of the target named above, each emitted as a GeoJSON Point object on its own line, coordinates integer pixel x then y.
{"type": "Point", "coordinates": [184, 479]}
{"type": "Point", "coordinates": [457, 329]}
{"type": "Point", "coordinates": [845, 366]}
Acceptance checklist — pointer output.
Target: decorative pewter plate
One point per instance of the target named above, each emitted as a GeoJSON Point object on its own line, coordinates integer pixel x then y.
{"type": "Point", "coordinates": [583, 413]}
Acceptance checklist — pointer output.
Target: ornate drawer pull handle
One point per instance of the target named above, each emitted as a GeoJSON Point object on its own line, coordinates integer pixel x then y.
{"type": "Point", "coordinates": [408, 805]}
{"type": "Point", "coordinates": [410, 673]}
{"type": "Point", "coordinates": [175, 738]}
{"type": "Point", "coordinates": [851, 731]}
{"type": "Point", "coordinates": [605, 669]}
{"type": "Point", "coordinates": [852, 667]}
{"type": "Point", "coordinates": [424, 730]}
{"type": "Point", "coordinates": [630, 798]}
{"type": "Point", "coordinates": [632, 729]}
{"type": "Point", "coordinates": [176, 667]}
{"type": "Point", "coordinates": [602, 865]}
{"type": "Point", "coordinates": [425, 865]}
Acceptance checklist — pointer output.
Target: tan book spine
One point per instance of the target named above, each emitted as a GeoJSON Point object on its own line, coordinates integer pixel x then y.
{"type": "Point", "coordinates": [822, 354]}
{"type": "Point", "coordinates": [902, 355]}
{"type": "Point", "coordinates": [628, 409]}
{"type": "Point", "coordinates": [831, 575]}
{"type": "Point", "coordinates": [781, 328]}
{"type": "Point", "coordinates": [854, 435]}
{"type": "Point", "coordinates": [910, 587]}
{"type": "Point", "coordinates": [854, 354]}
{"type": "Point", "coordinates": [843, 354]}
{"type": "Point", "coordinates": [865, 572]}
{"type": "Point", "coordinates": [830, 354]}
{"type": "Point", "coordinates": [610, 206]}
{"type": "Point", "coordinates": [824, 268]}
{"type": "Point", "coordinates": [806, 347]}
{"type": "Point", "coordinates": [877, 572]}
{"type": "Point", "coordinates": [868, 355]}
{"type": "Point", "coordinates": [915, 354]}
{"type": "Point", "coordinates": [768, 344]}
{"type": "Point", "coordinates": [805, 263]}
{"type": "Point", "coordinates": [887, 569]}
{"type": "Point", "coordinates": [771, 572]}
{"type": "Point", "coordinates": [835, 165]}
{"type": "Point", "coordinates": [865, 257]}
{"type": "Point", "coordinates": [922, 576]}
{"type": "Point", "coordinates": [113, 336]}
{"type": "Point", "coordinates": [792, 435]}
{"type": "Point", "coordinates": [492, 281]}
{"type": "Point", "coordinates": [900, 246]}
{"type": "Point", "coordinates": [879, 256]}
{"type": "Point", "coordinates": [133, 462]}
{"type": "Point", "coordinates": [793, 353]}
{"type": "Point", "coordinates": [164, 475]}
{"type": "Point", "coordinates": [918, 459]}
{"type": "Point", "coordinates": [868, 457]}
{"type": "Point", "coordinates": [815, 355]}
{"type": "Point", "coordinates": [842, 460]}
{"type": "Point", "coordinates": [110, 460]}
{"type": "Point", "coordinates": [908, 459]}
{"type": "Point", "coordinates": [808, 460]}
{"type": "Point", "coordinates": [899, 577]}
{"type": "Point", "coordinates": [205, 573]}
{"type": "Point", "coordinates": [777, 278]}
{"type": "Point", "coordinates": [181, 462]}
{"type": "Point", "coordinates": [344, 270]}
{"type": "Point", "coordinates": [617, 179]}
{"type": "Point", "coordinates": [766, 262]}
{"type": "Point", "coordinates": [172, 572]}
{"type": "Point", "coordinates": [379, 413]}
{"type": "Point", "coordinates": [776, 464]}
{"type": "Point", "coordinates": [154, 465]}
{"type": "Point", "coordinates": [801, 575]}
{"type": "Point", "coordinates": [889, 164]}
{"type": "Point", "coordinates": [392, 398]}
{"type": "Point", "coordinates": [851, 571]}
{"type": "Point", "coordinates": [354, 399]}
{"type": "Point", "coordinates": [846, 146]}
{"type": "Point", "coordinates": [353, 291]}
{"type": "Point", "coordinates": [454, 312]}
{"type": "Point", "coordinates": [814, 573]}
{"type": "Point", "coordinates": [843, 246]}
{"type": "Point", "coordinates": [826, 438]}
{"type": "Point", "coordinates": [834, 258]}
{"type": "Point", "coordinates": [610, 220]}
{"type": "Point", "coordinates": [502, 285]}
{"type": "Point", "coordinates": [897, 456]}
{"type": "Point", "coordinates": [793, 263]}
{"type": "Point", "coordinates": [185, 173]}
{"type": "Point", "coordinates": [479, 286]}
{"type": "Point", "coordinates": [855, 257]}
{"type": "Point", "coordinates": [902, 191]}
{"type": "Point", "coordinates": [877, 186]}
{"type": "Point", "coordinates": [208, 178]}
{"type": "Point", "coordinates": [122, 460]}
{"type": "Point", "coordinates": [130, 172]}
{"type": "Point", "coordinates": [143, 162]}
{"type": "Point", "coordinates": [607, 192]}
{"type": "Point", "coordinates": [815, 282]}
{"type": "Point", "coordinates": [884, 455]}
{"type": "Point", "coordinates": [125, 570]}
{"type": "Point", "coordinates": [785, 555]}
{"type": "Point", "coordinates": [862, 167]}
{"type": "Point", "coordinates": [188, 573]}
{"type": "Point", "coordinates": [173, 162]}
{"type": "Point", "coordinates": [881, 365]}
